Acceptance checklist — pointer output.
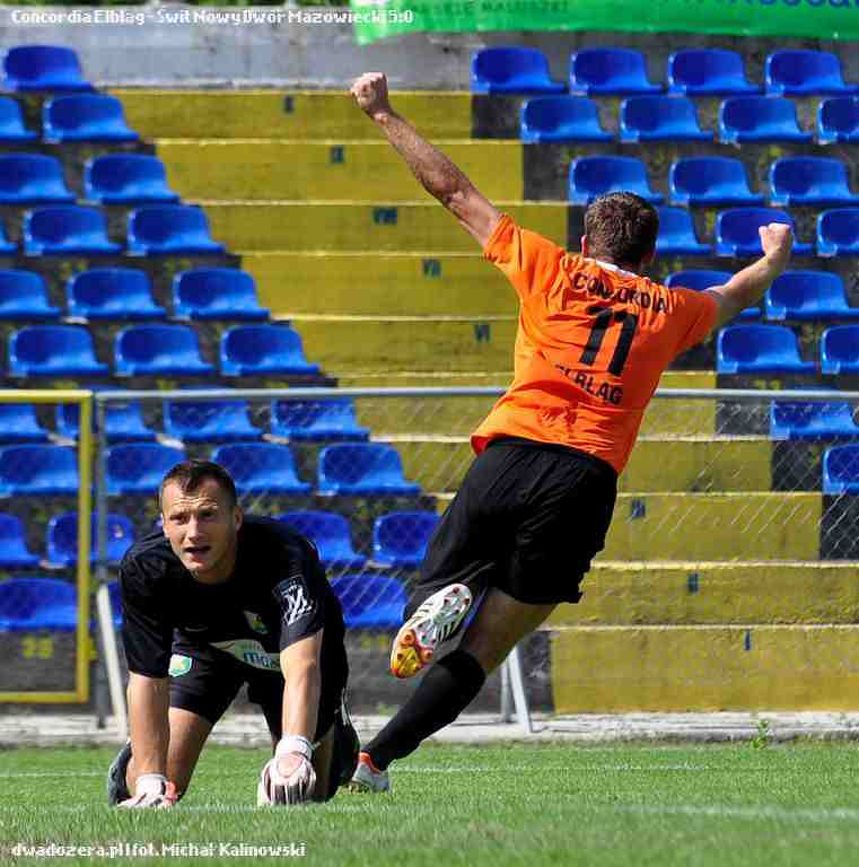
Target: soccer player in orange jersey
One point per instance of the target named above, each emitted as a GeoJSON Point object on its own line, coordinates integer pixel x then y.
{"type": "Point", "coordinates": [594, 337]}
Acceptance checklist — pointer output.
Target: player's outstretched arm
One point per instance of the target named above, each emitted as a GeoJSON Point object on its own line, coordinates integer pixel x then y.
{"type": "Point", "coordinates": [747, 287]}
{"type": "Point", "coordinates": [289, 778]}
{"type": "Point", "coordinates": [148, 704]}
{"type": "Point", "coordinates": [437, 174]}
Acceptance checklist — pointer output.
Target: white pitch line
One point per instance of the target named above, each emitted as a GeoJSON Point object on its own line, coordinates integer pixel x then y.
{"type": "Point", "coordinates": [787, 814]}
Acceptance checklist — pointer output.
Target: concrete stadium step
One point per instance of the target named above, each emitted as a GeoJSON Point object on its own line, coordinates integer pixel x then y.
{"type": "Point", "coordinates": [697, 668]}
{"type": "Point", "coordinates": [715, 526]}
{"type": "Point", "coordinates": [308, 115]}
{"type": "Point", "coordinates": [724, 464]}
{"type": "Point", "coordinates": [352, 346]}
{"type": "Point", "coordinates": [419, 227]}
{"type": "Point", "coordinates": [458, 416]}
{"type": "Point", "coordinates": [383, 284]}
{"type": "Point", "coordinates": [266, 170]}
{"type": "Point", "coordinates": [651, 593]}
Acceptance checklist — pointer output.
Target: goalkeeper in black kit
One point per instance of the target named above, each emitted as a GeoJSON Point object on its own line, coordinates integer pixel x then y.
{"type": "Point", "coordinates": [213, 602]}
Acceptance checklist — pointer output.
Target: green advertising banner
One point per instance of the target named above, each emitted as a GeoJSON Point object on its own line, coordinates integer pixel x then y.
{"type": "Point", "coordinates": [813, 19]}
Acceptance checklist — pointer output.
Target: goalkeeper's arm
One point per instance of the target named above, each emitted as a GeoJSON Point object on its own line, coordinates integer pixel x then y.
{"type": "Point", "coordinates": [439, 176]}
{"type": "Point", "coordinates": [148, 704]}
{"type": "Point", "coordinates": [290, 778]}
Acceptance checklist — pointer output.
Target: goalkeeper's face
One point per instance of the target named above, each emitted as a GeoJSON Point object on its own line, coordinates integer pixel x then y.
{"type": "Point", "coordinates": [202, 526]}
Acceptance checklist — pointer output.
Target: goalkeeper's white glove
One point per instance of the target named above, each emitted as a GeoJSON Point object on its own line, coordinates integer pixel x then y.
{"type": "Point", "coordinates": [151, 790]}
{"type": "Point", "coordinates": [289, 777]}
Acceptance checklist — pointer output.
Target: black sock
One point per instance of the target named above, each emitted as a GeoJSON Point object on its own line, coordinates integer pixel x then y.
{"type": "Point", "coordinates": [446, 690]}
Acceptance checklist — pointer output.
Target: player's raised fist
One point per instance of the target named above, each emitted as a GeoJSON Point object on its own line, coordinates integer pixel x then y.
{"type": "Point", "coordinates": [776, 241]}
{"type": "Point", "coordinates": [371, 93]}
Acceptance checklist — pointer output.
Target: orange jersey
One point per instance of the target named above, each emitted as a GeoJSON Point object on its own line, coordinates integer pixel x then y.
{"type": "Point", "coordinates": [591, 345]}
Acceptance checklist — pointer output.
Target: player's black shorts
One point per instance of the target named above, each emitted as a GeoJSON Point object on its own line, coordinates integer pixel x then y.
{"type": "Point", "coordinates": [205, 680]}
{"type": "Point", "coordinates": [528, 519]}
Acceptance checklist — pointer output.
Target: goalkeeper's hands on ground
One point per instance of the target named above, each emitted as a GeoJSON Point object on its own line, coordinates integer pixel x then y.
{"type": "Point", "coordinates": [151, 790]}
{"type": "Point", "coordinates": [288, 778]}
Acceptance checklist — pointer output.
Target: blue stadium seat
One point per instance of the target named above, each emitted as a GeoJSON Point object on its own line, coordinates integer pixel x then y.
{"type": "Point", "coordinates": [7, 248]}
{"type": "Point", "coordinates": [261, 468]}
{"type": "Point", "coordinates": [170, 230]}
{"type": "Point", "coordinates": [838, 120]}
{"type": "Point", "coordinates": [24, 295]}
{"type": "Point", "coordinates": [839, 349]}
{"type": "Point", "coordinates": [67, 230]}
{"type": "Point", "coordinates": [720, 181]}
{"type": "Point", "coordinates": [62, 541]}
{"type": "Point", "coordinates": [53, 350]}
{"type": "Point", "coordinates": [85, 117]}
{"type": "Point", "coordinates": [14, 553]}
{"type": "Point", "coordinates": [209, 421]}
{"type": "Point", "coordinates": [759, 349]}
{"type": "Point", "coordinates": [512, 70]}
{"type": "Point", "coordinates": [35, 604]}
{"type": "Point", "coordinates": [660, 118]}
{"type": "Point", "coordinates": [841, 470]}
{"type": "Point", "coordinates": [677, 234]}
{"type": "Point", "coordinates": [808, 295]}
{"type": "Point", "coordinates": [560, 119]}
{"type": "Point", "coordinates": [12, 129]}
{"type": "Point", "coordinates": [316, 420]}
{"type": "Point", "coordinates": [330, 533]}
{"type": "Point", "coordinates": [370, 601]}
{"type": "Point", "coordinates": [216, 293]}
{"type": "Point", "coordinates": [43, 67]}
{"type": "Point", "coordinates": [708, 72]}
{"type": "Point", "coordinates": [701, 279]}
{"type": "Point", "coordinates": [32, 178]}
{"type": "Point", "coordinates": [249, 350]}
{"type": "Point", "coordinates": [124, 422]}
{"type": "Point", "coordinates": [593, 176]}
{"type": "Point", "coordinates": [400, 538]}
{"type": "Point", "coordinates": [363, 469]}
{"type": "Point", "coordinates": [794, 72]}
{"type": "Point", "coordinates": [127, 179]}
{"type": "Point", "coordinates": [38, 470]}
{"type": "Point", "coordinates": [814, 181]}
{"type": "Point", "coordinates": [759, 118]}
{"type": "Point", "coordinates": [610, 71]}
{"type": "Point", "coordinates": [112, 293]}
{"type": "Point", "coordinates": [18, 424]}
{"type": "Point", "coordinates": [138, 468]}
{"type": "Point", "coordinates": [159, 350]}
{"type": "Point", "coordinates": [737, 231]}
{"type": "Point", "coordinates": [812, 420]}
{"type": "Point", "coordinates": [838, 232]}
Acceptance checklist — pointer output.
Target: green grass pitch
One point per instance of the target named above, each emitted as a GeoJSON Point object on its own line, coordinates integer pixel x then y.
{"type": "Point", "coordinates": [488, 805]}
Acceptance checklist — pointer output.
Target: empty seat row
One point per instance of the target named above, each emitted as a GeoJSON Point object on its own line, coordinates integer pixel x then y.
{"type": "Point", "coordinates": [29, 68]}
{"type": "Point", "coordinates": [741, 119]}
{"type": "Point", "coordinates": [110, 179]}
{"type": "Point", "coordinates": [797, 294]}
{"type": "Point", "coordinates": [83, 117]}
{"type": "Point", "coordinates": [75, 230]}
{"type": "Point", "coordinates": [156, 350]}
{"type": "Point", "coordinates": [717, 181]}
{"type": "Point", "coordinates": [399, 539]}
{"type": "Point", "coordinates": [348, 469]}
{"type": "Point", "coordinates": [812, 420]}
{"type": "Point", "coordinates": [30, 604]}
{"type": "Point", "coordinates": [198, 422]}
{"type": "Point", "coordinates": [617, 71]}
{"type": "Point", "coordinates": [126, 294]}
{"type": "Point", "coordinates": [753, 349]}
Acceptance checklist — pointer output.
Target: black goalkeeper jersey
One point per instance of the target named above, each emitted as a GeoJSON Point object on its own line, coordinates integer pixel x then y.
{"type": "Point", "coordinates": [277, 595]}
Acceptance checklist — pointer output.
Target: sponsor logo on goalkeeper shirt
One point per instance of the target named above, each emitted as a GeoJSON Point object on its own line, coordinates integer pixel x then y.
{"type": "Point", "coordinates": [250, 652]}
